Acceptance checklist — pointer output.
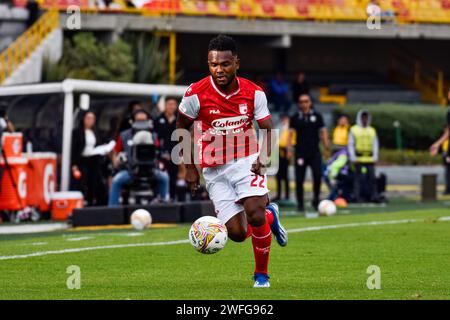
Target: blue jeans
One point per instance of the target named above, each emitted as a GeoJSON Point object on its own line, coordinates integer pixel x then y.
{"type": "Point", "coordinates": [123, 177]}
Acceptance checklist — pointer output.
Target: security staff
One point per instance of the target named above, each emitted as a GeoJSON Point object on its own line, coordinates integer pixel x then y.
{"type": "Point", "coordinates": [363, 153]}
{"type": "Point", "coordinates": [309, 126]}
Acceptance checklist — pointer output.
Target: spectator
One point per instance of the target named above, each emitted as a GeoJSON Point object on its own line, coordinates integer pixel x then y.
{"type": "Point", "coordinates": [279, 91]}
{"type": "Point", "coordinates": [363, 153]}
{"type": "Point", "coordinates": [283, 164]}
{"type": "Point", "coordinates": [124, 177]}
{"type": "Point", "coordinates": [87, 159]}
{"type": "Point", "coordinates": [310, 129]}
{"type": "Point", "coordinates": [165, 124]}
{"type": "Point", "coordinates": [299, 86]}
{"type": "Point", "coordinates": [340, 133]}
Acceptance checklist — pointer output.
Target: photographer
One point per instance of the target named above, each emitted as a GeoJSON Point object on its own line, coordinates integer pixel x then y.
{"type": "Point", "coordinates": [124, 176]}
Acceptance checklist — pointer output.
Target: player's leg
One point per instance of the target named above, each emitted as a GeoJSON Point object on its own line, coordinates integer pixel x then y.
{"type": "Point", "coordinates": [238, 228]}
{"type": "Point", "coordinates": [255, 210]}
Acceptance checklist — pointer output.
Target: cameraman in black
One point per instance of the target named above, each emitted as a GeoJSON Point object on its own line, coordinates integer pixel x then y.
{"type": "Point", "coordinates": [124, 177]}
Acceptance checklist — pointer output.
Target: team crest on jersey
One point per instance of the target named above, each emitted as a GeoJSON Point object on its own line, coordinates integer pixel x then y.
{"type": "Point", "coordinates": [243, 108]}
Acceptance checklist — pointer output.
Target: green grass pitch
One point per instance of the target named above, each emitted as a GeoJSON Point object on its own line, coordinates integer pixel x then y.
{"type": "Point", "coordinates": [409, 242]}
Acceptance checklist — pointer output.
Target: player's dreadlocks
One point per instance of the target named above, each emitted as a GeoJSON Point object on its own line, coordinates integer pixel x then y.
{"type": "Point", "coordinates": [223, 43]}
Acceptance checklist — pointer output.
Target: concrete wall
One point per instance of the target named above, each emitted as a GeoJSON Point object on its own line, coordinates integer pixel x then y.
{"type": "Point", "coordinates": [31, 70]}
{"type": "Point", "coordinates": [12, 24]}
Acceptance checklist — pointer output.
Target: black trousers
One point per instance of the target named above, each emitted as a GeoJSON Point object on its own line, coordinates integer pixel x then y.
{"type": "Point", "coordinates": [283, 176]}
{"type": "Point", "coordinates": [172, 170]}
{"type": "Point", "coordinates": [314, 161]}
{"type": "Point", "coordinates": [366, 180]}
{"type": "Point", "coordinates": [92, 182]}
{"type": "Point", "coordinates": [447, 174]}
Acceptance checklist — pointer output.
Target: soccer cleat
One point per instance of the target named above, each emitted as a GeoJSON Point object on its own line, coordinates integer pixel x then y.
{"type": "Point", "coordinates": [277, 229]}
{"type": "Point", "coordinates": [261, 280]}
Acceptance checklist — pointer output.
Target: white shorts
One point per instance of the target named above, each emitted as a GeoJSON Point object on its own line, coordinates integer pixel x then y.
{"type": "Point", "coordinates": [229, 183]}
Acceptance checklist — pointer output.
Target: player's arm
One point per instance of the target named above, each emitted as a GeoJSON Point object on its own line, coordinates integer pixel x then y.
{"type": "Point", "coordinates": [265, 123]}
{"type": "Point", "coordinates": [266, 150]}
{"type": "Point", "coordinates": [188, 112]}
{"type": "Point", "coordinates": [437, 144]}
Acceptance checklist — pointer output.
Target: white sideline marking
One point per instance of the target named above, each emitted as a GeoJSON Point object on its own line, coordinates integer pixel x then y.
{"type": "Point", "coordinates": [149, 244]}
{"type": "Point", "coordinates": [33, 228]}
{"type": "Point", "coordinates": [79, 239]}
{"type": "Point", "coordinates": [116, 246]}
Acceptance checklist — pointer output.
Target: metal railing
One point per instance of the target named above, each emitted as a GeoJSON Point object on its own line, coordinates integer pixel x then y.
{"type": "Point", "coordinates": [413, 72]}
{"type": "Point", "coordinates": [12, 57]}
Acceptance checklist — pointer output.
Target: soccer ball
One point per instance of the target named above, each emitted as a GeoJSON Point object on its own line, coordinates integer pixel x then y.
{"type": "Point", "coordinates": [208, 235]}
{"type": "Point", "coordinates": [141, 219]}
{"type": "Point", "coordinates": [327, 208]}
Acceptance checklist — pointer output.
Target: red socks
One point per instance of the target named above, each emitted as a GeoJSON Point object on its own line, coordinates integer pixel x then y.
{"type": "Point", "coordinates": [261, 239]}
{"type": "Point", "coordinates": [269, 219]}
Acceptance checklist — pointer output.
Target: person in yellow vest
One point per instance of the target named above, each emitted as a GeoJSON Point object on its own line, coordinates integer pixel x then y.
{"type": "Point", "coordinates": [283, 164]}
{"type": "Point", "coordinates": [363, 150]}
{"type": "Point", "coordinates": [340, 133]}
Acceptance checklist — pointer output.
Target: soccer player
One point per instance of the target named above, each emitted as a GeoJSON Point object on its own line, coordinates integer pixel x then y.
{"type": "Point", "coordinates": [222, 108]}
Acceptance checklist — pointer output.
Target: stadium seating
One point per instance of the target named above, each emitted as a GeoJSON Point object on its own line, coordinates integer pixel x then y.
{"type": "Point", "coordinates": [405, 11]}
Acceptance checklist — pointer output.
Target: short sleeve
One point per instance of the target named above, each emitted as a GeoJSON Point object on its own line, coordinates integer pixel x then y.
{"type": "Point", "coordinates": [190, 105]}
{"type": "Point", "coordinates": [261, 110]}
{"type": "Point", "coordinates": [320, 121]}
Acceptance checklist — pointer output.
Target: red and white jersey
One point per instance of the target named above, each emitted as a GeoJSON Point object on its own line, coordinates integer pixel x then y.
{"type": "Point", "coordinates": [223, 127]}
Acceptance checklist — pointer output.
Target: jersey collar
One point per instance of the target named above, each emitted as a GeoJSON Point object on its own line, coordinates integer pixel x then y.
{"type": "Point", "coordinates": [223, 94]}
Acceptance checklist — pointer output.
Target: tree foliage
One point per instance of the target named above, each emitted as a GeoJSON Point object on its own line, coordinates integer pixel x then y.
{"type": "Point", "coordinates": [87, 58]}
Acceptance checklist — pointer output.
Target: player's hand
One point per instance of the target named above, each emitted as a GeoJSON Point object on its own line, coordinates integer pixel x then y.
{"type": "Point", "coordinates": [192, 179]}
{"type": "Point", "coordinates": [258, 168]}
{"type": "Point", "coordinates": [434, 149]}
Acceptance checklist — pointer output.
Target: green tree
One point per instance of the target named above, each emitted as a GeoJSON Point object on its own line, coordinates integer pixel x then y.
{"type": "Point", "coordinates": [152, 59]}
{"type": "Point", "coordinates": [84, 57]}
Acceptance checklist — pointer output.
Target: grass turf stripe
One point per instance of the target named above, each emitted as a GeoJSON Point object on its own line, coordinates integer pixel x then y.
{"type": "Point", "coordinates": [148, 244]}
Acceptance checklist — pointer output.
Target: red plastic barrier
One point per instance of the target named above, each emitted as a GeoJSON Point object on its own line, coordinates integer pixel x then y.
{"type": "Point", "coordinates": [41, 172]}
{"type": "Point", "coordinates": [12, 144]}
{"type": "Point", "coordinates": [13, 198]}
